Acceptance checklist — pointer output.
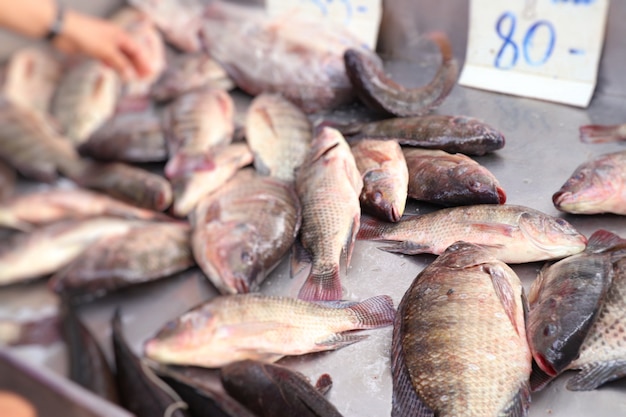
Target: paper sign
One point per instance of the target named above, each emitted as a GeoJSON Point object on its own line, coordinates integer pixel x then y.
{"type": "Point", "coordinates": [361, 17]}
{"type": "Point", "coordinates": [545, 49]}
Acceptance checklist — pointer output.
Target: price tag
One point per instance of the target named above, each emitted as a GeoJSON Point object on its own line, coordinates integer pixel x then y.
{"type": "Point", "coordinates": [361, 17]}
{"type": "Point", "coordinates": [545, 49]}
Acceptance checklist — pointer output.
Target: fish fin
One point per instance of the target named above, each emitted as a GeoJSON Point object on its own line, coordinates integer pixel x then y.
{"type": "Point", "coordinates": [322, 285]}
{"type": "Point", "coordinates": [538, 378]}
{"type": "Point", "coordinates": [370, 228]}
{"type": "Point", "coordinates": [10, 220]}
{"type": "Point", "coordinates": [496, 228]}
{"type": "Point", "coordinates": [374, 312]}
{"type": "Point", "coordinates": [505, 292]}
{"type": "Point", "coordinates": [592, 375]}
{"type": "Point", "coordinates": [260, 166]}
{"type": "Point", "coordinates": [603, 240]}
{"type": "Point", "coordinates": [183, 163]}
{"type": "Point", "coordinates": [600, 133]}
{"type": "Point", "coordinates": [535, 286]}
{"type": "Point", "coordinates": [348, 246]}
{"type": "Point", "coordinates": [324, 384]}
{"type": "Point", "coordinates": [338, 340]}
{"type": "Point", "coordinates": [407, 248]}
{"type": "Point", "coordinates": [519, 403]}
{"type": "Point", "coordinates": [300, 258]}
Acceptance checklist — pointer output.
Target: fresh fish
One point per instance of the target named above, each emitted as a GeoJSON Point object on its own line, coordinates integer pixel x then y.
{"type": "Point", "coordinates": [85, 98]}
{"type": "Point", "coordinates": [144, 254]}
{"type": "Point", "coordinates": [190, 189]}
{"type": "Point", "coordinates": [140, 389]}
{"type": "Point", "coordinates": [459, 344]}
{"type": "Point", "coordinates": [199, 123]}
{"type": "Point", "coordinates": [243, 230]}
{"type": "Point", "coordinates": [271, 390]}
{"type": "Point", "coordinates": [187, 72]}
{"type": "Point", "coordinates": [295, 55]}
{"type": "Point", "coordinates": [596, 186]}
{"type": "Point", "coordinates": [450, 179]}
{"type": "Point", "coordinates": [279, 135]}
{"type": "Point", "coordinates": [51, 247]}
{"type": "Point", "coordinates": [128, 137]}
{"type": "Point", "coordinates": [602, 133]}
{"type": "Point", "coordinates": [379, 92]}
{"type": "Point", "coordinates": [230, 328]}
{"type": "Point", "coordinates": [31, 77]}
{"type": "Point", "coordinates": [385, 177]}
{"type": "Point", "coordinates": [329, 185]}
{"type": "Point", "coordinates": [515, 234]}
{"type": "Point", "coordinates": [8, 176]}
{"type": "Point", "coordinates": [26, 211]}
{"type": "Point", "coordinates": [452, 134]}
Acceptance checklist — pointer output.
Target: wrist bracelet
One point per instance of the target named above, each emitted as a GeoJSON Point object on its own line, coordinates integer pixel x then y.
{"type": "Point", "coordinates": [57, 24]}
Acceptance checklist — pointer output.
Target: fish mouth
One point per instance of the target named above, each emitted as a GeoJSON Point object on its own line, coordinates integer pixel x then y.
{"type": "Point", "coordinates": [545, 365]}
{"type": "Point", "coordinates": [501, 195]}
{"type": "Point", "coordinates": [559, 197]}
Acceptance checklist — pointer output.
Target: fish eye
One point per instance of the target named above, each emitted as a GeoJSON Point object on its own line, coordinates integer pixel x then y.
{"type": "Point", "coordinates": [246, 257]}
{"type": "Point", "coordinates": [378, 196]}
{"type": "Point", "coordinates": [561, 222]}
{"type": "Point", "coordinates": [549, 330]}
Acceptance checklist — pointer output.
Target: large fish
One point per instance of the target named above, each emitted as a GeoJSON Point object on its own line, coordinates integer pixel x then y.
{"type": "Point", "coordinates": [452, 134]}
{"type": "Point", "coordinates": [8, 176]}
{"type": "Point", "coordinates": [385, 177]}
{"type": "Point", "coordinates": [279, 135]}
{"type": "Point", "coordinates": [230, 328]}
{"type": "Point", "coordinates": [515, 234]}
{"type": "Point", "coordinates": [449, 179]}
{"type": "Point", "coordinates": [596, 186]}
{"type": "Point", "coordinates": [329, 185]}
{"type": "Point", "coordinates": [198, 123]}
{"type": "Point", "coordinates": [243, 230]}
{"type": "Point", "coordinates": [459, 343]}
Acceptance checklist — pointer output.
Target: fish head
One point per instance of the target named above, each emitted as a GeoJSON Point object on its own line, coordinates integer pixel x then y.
{"type": "Point", "coordinates": [480, 184]}
{"type": "Point", "coordinates": [553, 236]}
{"type": "Point", "coordinates": [381, 196]}
{"type": "Point", "coordinates": [586, 189]}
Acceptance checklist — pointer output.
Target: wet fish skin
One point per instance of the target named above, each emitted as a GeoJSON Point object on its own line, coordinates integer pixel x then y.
{"type": "Point", "coordinates": [271, 390]}
{"type": "Point", "coordinates": [450, 179]}
{"type": "Point", "coordinates": [516, 234]}
{"type": "Point", "coordinates": [385, 178]}
{"type": "Point", "coordinates": [229, 328]}
{"type": "Point", "coordinates": [602, 133]}
{"type": "Point", "coordinates": [380, 92]}
{"type": "Point", "coordinates": [329, 185]}
{"type": "Point", "coordinates": [595, 186]}
{"type": "Point", "coordinates": [459, 344]}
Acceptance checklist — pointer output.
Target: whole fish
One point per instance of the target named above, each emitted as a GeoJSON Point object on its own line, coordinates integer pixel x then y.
{"type": "Point", "coordinates": [85, 98]}
{"type": "Point", "coordinates": [230, 328]}
{"type": "Point", "coordinates": [45, 250]}
{"type": "Point", "coordinates": [187, 72]}
{"type": "Point", "coordinates": [329, 185]}
{"type": "Point", "coordinates": [26, 211]}
{"type": "Point", "coordinates": [450, 179]}
{"type": "Point", "coordinates": [452, 134]}
{"type": "Point", "coordinates": [271, 390]}
{"type": "Point", "coordinates": [385, 177]}
{"type": "Point", "coordinates": [515, 234]}
{"type": "Point", "coordinates": [459, 343]}
{"type": "Point", "coordinates": [379, 92]}
{"type": "Point", "coordinates": [144, 254]}
{"type": "Point", "coordinates": [596, 186]}
{"type": "Point", "coordinates": [243, 230]}
{"type": "Point", "coordinates": [8, 176]}
{"type": "Point", "coordinates": [191, 188]}
{"type": "Point", "coordinates": [128, 137]}
{"type": "Point", "coordinates": [279, 135]}
{"type": "Point", "coordinates": [198, 123]}
{"type": "Point", "coordinates": [602, 133]}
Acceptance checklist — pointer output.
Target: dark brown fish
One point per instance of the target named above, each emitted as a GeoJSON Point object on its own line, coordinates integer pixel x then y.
{"type": "Point", "coordinates": [459, 343]}
{"type": "Point", "coordinates": [8, 177]}
{"type": "Point", "coordinates": [452, 134]}
{"type": "Point", "coordinates": [446, 179]}
{"type": "Point", "coordinates": [271, 390]}
{"type": "Point", "coordinates": [602, 133]}
{"type": "Point", "coordinates": [379, 92]}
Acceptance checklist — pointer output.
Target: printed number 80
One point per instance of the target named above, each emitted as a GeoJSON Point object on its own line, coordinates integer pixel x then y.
{"type": "Point", "coordinates": [526, 45]}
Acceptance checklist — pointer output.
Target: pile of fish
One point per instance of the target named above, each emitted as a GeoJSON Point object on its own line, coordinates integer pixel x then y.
{"type": "Point", "coordinates": [149, 178]}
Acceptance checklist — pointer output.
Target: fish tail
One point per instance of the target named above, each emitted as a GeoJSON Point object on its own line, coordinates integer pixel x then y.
{"type": "Point", "coordinates": [600, 133]}
{"type": "Point", "coordinates": [183, 163]}
{"type": "Point", "coordinates": [324, 285]}
{"type": "Point", "coordinates": [374, 312]}
{"type": "Point", "coordinates": [370, 229]}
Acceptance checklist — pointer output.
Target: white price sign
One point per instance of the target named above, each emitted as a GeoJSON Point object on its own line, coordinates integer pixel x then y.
{"type": "Point", "coordinates": [545, 49]}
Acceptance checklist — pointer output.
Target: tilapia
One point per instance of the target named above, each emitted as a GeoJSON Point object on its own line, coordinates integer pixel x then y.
{"type": "Point", "coordinates": [596, 186]}
{"type": "Point", "coordinates": [385, 178]}
{"type": "Point", "coordinates": [565, 299]}
{"type": "Point", "coordinates": [379, 92]}
{"type": "Point", "coordinates": [452, 134]}
{"type": "Point", "coordinates": [191, 188]}
{"type": "Point", "coordinates": [447, 179]}
{"type": "Point", "coordinates": [244, 229]}
{"type": "Point", "coordinates": [112, 263]}
{"type": "Point", "coordinates": [230, 328]}
{"type": "Point", "coordinates": [602, 133]}
{"type": "Point", "coordinates": [271, 390]}
{"type": "Point", "coordinates": [279, 135]}
{"type": "Point", "coordinates": [49, 248]}
{"type": "Point", "coordinates": [198, 124]}
{"type": "Point", "coordinates": [28, 210]}
{"type": "Point", "coordinates": [294, 55]}
{"type": "Point", "coordinates": [8, 176]}
{"type": "Point", "coordinates": [459, 343]}
{"type": "Point", "coordinates": [515, 234]}
{"type": "Point", "coordinates": [329, 185]}
{"type": "Point", "coordinates": [85, 98]}
{"type": "Point", "coordinates": [187, 72]}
